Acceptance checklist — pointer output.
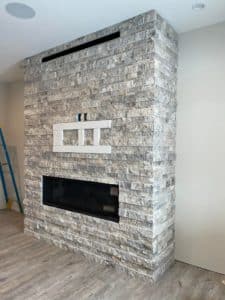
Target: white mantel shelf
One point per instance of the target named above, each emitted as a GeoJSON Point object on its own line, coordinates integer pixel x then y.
{"type": "Point", "coordinates": [58, 129]}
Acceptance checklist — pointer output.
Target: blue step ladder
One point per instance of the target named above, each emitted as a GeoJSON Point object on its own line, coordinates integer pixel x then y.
{"type": "Point", "coordinates": [2, 176]}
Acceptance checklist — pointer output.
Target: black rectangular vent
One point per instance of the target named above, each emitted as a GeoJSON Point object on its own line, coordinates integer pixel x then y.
{"type": "Point", "coordinates": [91, 198]}
{"type": "Point", "coordinates": [98, 41]}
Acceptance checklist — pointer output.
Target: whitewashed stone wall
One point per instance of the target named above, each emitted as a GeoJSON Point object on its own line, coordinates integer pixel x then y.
{"type": "Point", "coordinates": [131, 81]}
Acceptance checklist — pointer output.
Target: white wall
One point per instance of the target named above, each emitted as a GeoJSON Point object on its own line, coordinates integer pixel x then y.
{"type": "Point", "coordinates": [3, 98]}
{"type": "Point", "coordinates": [200, 204]}
{"type": "Point", "coordinates": [13, 126]}
{"type": "Point", "coordinates": [15, 130]}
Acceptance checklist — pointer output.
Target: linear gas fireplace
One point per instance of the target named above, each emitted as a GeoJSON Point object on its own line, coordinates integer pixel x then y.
{"type": "Point", "coordinates": [90, 198]}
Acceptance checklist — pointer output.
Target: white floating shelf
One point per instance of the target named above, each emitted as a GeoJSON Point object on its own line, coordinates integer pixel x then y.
{"type": "Point", "coordinates": [58, 138]}
{"type": "Point", "coordinates": [82, 149]}
{"type": "Point", "coordinates": [83, 125]}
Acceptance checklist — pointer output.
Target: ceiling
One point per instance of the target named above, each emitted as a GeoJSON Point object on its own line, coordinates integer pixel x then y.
{"type": "Point", "coordinates": [59, 21]}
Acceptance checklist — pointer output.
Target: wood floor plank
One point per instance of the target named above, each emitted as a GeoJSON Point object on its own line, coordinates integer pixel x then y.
{"type": "Point", "coordinates": [32, 269]}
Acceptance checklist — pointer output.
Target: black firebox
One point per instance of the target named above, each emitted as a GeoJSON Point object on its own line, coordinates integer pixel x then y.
{"type": "Point", "coordinates": [92, 198]}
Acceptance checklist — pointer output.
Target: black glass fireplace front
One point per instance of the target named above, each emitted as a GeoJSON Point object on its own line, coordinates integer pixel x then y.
{"type": "Point", "coordinates": [92, 198]}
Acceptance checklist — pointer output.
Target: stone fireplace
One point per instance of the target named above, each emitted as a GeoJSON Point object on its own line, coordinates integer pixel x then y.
{"type": "Point", "coordinates": [124, 75]}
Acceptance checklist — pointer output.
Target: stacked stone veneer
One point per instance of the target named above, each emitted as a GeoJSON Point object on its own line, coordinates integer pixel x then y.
{"type": "Point", "coordinates": [131, 81]}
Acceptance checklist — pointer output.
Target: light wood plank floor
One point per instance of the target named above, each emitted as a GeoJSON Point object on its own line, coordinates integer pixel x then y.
{"type": "Point", "coordinates": [32, 269]}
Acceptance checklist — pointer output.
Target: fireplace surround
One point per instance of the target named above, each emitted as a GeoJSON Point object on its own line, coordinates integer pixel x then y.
{"type": "Point", "coordinates": [131, 81]}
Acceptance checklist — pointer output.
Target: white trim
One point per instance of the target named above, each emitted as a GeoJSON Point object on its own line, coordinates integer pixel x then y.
{"type": "Point", "coordinates": [58, 137]}
{"type": "Point", "coordinates": [83, 149]}
{"type": "Point", "coordinates": [81, 126]}
{"type": "Point", "coordinates": [97, 136]}
{"type": "Point", "coordinates": [81, 137]}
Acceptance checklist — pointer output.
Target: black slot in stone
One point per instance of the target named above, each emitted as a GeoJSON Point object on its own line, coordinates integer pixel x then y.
{"type": "Point", "coordinates": [98, 41]}
{"type": "Point", "coordinates": [92, 198]}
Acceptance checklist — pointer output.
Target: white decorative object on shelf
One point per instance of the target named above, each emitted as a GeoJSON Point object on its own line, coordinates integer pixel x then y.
{"type": "Point", "coordinates": [96, 126]}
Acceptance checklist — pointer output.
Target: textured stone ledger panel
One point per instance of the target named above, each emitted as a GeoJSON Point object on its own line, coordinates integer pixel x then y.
{"type": "Point", "coordinates": [132, 81]}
